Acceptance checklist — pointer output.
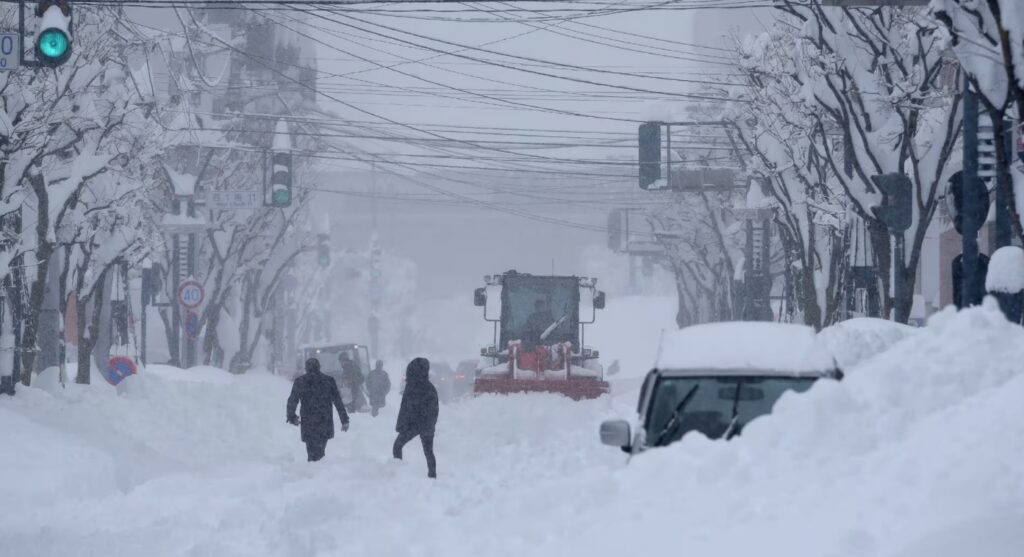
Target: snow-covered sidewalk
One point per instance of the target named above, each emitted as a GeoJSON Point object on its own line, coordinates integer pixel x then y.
{"type": "Point", "coordinates": [919, 452]}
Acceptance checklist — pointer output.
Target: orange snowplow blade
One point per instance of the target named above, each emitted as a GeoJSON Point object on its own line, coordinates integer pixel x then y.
{"type": "Point", "coordinates": [579, 388]}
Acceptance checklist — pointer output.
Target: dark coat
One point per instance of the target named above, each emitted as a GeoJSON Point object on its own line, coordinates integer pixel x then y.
{"type": "Point", "coordinates": [418, 413]}
{"type": "Point", "coordinates": [378, 385]}
{"type": "Point", "coordinates": [315, 393]}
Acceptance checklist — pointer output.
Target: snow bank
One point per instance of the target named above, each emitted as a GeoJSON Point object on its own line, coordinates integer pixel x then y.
{"type": "Point", "coordinates": [916, 454]}
{"type": "Point", "coordinates": [924, 440]}
{"type": "Point", "coordinates": [856, 340]}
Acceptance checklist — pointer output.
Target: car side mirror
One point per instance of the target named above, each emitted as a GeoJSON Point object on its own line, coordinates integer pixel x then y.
{"type": "Point", "coordinates": [599, 300]}
{"type": "Point", "coordinates": [616, 433]}
{"type": "Point", "coordinates": [479, 297]}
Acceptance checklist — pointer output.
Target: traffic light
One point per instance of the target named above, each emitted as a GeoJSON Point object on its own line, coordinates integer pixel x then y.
{"type": "Point", "coordinates": [375, 272]}
{"type": "Point", "coordinates": [649, 140]}
{"type": "Point", "coordinates": [53, 42]}
{"type": "Point", "coordinates": [896, 211]}
{"type": "Point", "coordinates": [323, 250]}
{"type": "Point", "coordinates": [281, 180]}
{"type": "Point", "coordinates": [150, 284]}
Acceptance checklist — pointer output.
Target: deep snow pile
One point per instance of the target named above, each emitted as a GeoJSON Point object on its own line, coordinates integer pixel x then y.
{"type": "Point", "coordinates": [918, 453]}
{"type": "Point", "coordinates": [854, 341]}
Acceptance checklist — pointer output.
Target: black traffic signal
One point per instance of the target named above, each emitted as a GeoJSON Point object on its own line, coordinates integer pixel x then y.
{"type": "Point", "coordinates": [649, 140]}
{"type": "Point", "coordinates": [972, 208]}
{"type": "Point", "coordinates": [53, 41]}
{"type": "Point", "coordinates": [281, 180]}
{"type": "Point", "coordinates": [323, 250]}
{"type": "Point", "coordinates": [896, 211]}
{"type": "Point", "coordinates": [150, 284]}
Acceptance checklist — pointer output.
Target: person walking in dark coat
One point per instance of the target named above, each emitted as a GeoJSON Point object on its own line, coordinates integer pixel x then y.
{"type": "Point", "coordinates": [378, 385]}
{"type": "Point", "coordinates": [315, 393]}
{"type": "Point", "coordinates": [353, 379]}
{"type": "Point", "coordinates": [418, 412]}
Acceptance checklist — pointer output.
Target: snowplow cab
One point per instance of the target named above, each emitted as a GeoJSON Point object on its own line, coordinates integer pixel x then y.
{"type": "Point", "coordinates": [539, 336]}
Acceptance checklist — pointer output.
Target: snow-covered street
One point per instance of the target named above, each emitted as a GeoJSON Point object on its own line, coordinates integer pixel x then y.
{"type": "Point", "coordinates": [637, 278]}
{"type": "Point", "coordinates": [916, 453]}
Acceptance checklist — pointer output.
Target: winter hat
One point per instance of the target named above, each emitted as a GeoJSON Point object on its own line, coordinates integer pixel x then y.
{"type": "Point", "coordinates": [312, 364]}
{"type": "Point", "coordinates": [417, 369]}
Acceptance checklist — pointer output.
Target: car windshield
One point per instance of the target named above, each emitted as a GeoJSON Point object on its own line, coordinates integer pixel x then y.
{"type": "Point", "coordinates": [721, 406]}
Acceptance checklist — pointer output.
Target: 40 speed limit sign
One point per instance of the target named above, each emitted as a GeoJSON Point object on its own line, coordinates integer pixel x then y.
{"type": "Point", "coordinates": [190, 294]}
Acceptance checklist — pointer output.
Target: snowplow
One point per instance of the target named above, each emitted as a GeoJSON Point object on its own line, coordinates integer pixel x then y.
{"type": "Point", "coordinates": [538, 347]}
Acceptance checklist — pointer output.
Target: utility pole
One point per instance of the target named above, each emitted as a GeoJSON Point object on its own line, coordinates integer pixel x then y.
{"type": "Point", "coordinates": [970, 213]}
{"type": "Point", "coordinates": [373, 324]}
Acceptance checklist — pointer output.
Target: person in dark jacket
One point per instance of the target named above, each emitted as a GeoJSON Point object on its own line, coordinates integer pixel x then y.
{"type": "Point", "coordinates": [418, 412]}
{"type": "Point", "coordinates": [315, 393]}
{"type": "Point", "coordinates": [378, 385]}
{"type": "Point", "coordinates": [353, 379]}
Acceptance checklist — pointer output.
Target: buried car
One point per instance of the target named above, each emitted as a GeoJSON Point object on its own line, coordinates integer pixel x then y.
{"type": "Point", "coordinates": [717, 378]}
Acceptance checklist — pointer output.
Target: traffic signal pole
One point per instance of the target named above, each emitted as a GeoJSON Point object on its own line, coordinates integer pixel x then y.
{"type": "Point", "coordinates": [972, 283]}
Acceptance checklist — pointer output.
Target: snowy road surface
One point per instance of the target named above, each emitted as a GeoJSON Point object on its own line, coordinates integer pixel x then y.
{"type": "Point", "coordinates": [917, 453]}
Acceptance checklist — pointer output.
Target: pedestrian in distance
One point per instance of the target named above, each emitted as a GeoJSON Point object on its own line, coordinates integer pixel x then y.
{"type": "Point", "coordinates": [378, 385]}
{"type": "Point", "coordinates": [418, 413]}
{"type": "Point", "coordinates": [315, 393]}
{"type": "Point", "coordinates": [353, 379]}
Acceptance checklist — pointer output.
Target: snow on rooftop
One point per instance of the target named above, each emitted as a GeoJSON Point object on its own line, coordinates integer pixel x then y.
{"type": "Point", "coordinates": [768, 346]}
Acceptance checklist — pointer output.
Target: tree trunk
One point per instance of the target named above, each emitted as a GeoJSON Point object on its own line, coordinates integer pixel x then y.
{"type": "Point", "coordinates": [881, 244]}
{"type": "Point", "coordinates": [87, 337]}
{"type": "Point", "coordinates": [44, 249]}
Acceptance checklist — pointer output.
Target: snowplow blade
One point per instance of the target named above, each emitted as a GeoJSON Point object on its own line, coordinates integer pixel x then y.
{"type": "Point", "coordinates": [576, 389]}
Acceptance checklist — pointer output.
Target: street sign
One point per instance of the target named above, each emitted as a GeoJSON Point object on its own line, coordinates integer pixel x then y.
{"type": "Point", "coordinates": [179, 224]}
{"type": "Point", "coordinates": [118, 368]}
{"type": "Point", "coordinates": [229, 200]}
{"type": "Point", "coordinates": [697, 179]}
{"type": "Point", "coordinates": [190, 294]}
{"type": "Point", "coordinates": [955, 201]}
{"type": "Point", "coordinates": [191, 325]}
{"type": "Point", "coordinates": [10, 50]}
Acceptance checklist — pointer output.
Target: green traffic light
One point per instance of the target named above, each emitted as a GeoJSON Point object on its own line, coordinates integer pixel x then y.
{"type": "Point", "coordinates": [281, 198]}
{"type": "Point", "coordinates": [325, 260]}
{"type": "Point", "coordinates": [53, 45]}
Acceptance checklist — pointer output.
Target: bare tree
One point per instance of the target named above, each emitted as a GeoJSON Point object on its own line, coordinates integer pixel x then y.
{"type": "Point", "coordinates": [66, 127]}
{"type": "Point", "coordinates": [878, 78]}
{"type": "Point", "coordinates": [986, 36]}
{"type": "Point", "coordinates": [778, 132]}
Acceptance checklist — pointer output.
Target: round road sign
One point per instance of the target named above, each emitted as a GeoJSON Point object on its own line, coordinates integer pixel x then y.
{"type": "Point", "coordinates": [190, 294]}
{"type": "Point", "coordinates": [191, 325]}
{"type": "Point", "coordinates": [118, 368]}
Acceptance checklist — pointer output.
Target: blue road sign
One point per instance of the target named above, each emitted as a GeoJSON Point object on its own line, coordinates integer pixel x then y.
{"type": "Point", "coordinates": [118, 368]}
{"type": "Point", "coordinates": [191, 325]}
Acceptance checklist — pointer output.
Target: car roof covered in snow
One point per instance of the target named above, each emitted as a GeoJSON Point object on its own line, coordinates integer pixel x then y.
{"type": "Point", "coordinates": [739, 347]}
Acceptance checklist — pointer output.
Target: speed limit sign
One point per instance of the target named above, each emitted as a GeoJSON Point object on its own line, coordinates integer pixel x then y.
{"type": "Point", "coordinates": [190, 294]}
